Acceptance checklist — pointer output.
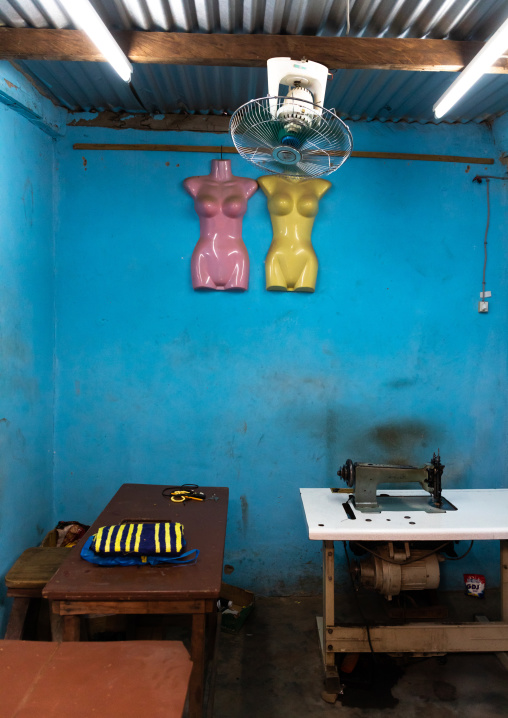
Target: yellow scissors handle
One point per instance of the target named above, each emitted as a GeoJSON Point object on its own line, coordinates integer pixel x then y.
{"type": "Point", "coordinates": [179, 496]}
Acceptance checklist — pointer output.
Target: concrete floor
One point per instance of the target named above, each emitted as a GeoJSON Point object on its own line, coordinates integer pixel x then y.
{"type": "Point", "coordinates": [272, 669]}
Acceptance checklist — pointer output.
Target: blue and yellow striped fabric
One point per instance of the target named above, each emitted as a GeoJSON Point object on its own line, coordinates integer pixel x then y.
{"type": "Point", "coordinates": [161, 539]}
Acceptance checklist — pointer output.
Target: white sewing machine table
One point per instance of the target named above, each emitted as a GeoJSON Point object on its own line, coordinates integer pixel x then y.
{"type": "Point", "coordinates": [482, 514]}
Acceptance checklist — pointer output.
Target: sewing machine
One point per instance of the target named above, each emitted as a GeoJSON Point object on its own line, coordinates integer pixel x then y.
{"type": "Point", "coordinates": [364, 480]}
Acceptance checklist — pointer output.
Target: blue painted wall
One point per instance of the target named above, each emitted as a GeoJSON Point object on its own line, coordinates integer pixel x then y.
{"type": "Point", "coordinates": [26, 338]}
{"type": "Point", "coordinates": [262, 392]}
{"type": "Point", "coordinates": [267, 392]}
{"type": "Point", "coordinates": [500, 132]}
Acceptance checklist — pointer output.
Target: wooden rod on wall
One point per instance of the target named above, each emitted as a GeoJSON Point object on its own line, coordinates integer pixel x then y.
{"type": "Point", "coordinates": [216, 150]}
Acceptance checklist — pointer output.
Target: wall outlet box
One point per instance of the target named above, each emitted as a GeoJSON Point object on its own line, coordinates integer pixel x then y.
{"type": "Point", "coordinates": [483, 307]}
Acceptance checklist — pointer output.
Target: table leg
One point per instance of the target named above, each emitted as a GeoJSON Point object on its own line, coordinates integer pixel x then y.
{"type": "Point", "coordinates": [332, 682]}
{"type": "Point", "coordinates": [504, 580]}
{"type": "Point", "coordinates": [197, 678]}
{"type": "Point", "coordinates": [56, 623]}
{"type": "Point", "coordinates": [70, 630]}
{"type": "Point", "coordinates": [212, 659]}
{"type": "Point", "coordinates": [17, 618]}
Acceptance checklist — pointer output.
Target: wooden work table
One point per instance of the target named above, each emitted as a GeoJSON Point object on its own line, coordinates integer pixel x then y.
{"type": "Point", "coordinates": [79, 587]}
{"type": "Point", "coordinates": [481, 515]}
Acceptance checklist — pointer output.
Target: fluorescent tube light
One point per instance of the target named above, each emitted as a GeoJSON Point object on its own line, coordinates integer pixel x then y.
{"type": "Point", "coordinates": [487, 56]}
{"type": "Point", "coordinates": [86, 17]}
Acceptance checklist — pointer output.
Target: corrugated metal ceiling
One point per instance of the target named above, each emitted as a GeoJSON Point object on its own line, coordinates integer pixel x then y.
{"type": "Point", "coordinates": [383, 95]}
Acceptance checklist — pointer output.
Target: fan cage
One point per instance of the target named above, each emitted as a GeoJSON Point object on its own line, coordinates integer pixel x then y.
{"type": "Point", "coordinates": [312, 147]}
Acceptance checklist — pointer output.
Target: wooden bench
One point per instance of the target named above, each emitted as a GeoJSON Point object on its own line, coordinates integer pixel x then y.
{"type": "Point", "coordinates": [120, 679]}
{"type": "Point", "coordinates": [25, 581]}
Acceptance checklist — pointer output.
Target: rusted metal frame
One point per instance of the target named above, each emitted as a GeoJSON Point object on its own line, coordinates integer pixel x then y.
{"type": "Point", "coordinates": [217, 149]}
{"type": "Point", "coordinates": [233, 50]}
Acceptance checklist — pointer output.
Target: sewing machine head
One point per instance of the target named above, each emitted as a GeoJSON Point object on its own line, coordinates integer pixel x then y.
{"type": "Point", "coordinates": [364, 480]}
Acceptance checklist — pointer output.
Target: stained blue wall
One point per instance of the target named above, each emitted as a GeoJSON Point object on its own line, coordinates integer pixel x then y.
{"type": "Point", "coordinates": [26, 338]}
{"type": "Point", "coordinates": [267, 392]}
{"type": "Point", "coordinates": [500, 132]}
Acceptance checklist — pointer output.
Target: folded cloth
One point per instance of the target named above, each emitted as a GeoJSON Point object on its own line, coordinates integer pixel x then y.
{"type": "Point", "coordinates": [160, 539]}
{"type": "Point", "coordinates": [132, 560]}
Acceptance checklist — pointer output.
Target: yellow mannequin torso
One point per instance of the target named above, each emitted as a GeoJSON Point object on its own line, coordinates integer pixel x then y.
{"type": "Point", "coordinates": [291, 263]}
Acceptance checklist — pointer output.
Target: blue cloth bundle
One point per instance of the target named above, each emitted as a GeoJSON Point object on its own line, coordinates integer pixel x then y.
{"type": "Point", "coordinates": [138, 544]}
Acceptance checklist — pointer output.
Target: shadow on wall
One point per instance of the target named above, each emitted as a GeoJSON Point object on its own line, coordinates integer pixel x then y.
{"type": "Point", "coordinates": [345, 435]}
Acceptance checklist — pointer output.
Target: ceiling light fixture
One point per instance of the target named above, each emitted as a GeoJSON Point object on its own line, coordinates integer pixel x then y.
{"type": "Point", "coordinates": [87, 18]}
{"type": "Point", "coordinates": [490, 52]}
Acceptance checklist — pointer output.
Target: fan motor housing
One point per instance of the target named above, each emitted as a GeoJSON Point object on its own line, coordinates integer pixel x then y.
{"type": "Point", "coordinates": [293, 109]}
{"type": "Point", "coordinates": [286, 155]}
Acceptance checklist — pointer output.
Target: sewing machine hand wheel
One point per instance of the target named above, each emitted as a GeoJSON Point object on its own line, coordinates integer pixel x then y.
{"type": "Point", "coordinates": [347, 472]}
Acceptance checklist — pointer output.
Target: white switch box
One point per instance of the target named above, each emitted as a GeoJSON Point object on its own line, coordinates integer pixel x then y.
{"type": "Point", "coordinates": [483, 307]}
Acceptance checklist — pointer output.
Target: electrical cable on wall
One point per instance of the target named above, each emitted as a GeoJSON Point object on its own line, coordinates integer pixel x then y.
{"type": "Point", "coordinates": [138, 98]}
{"type": "Point", "coordinates": [483, 305]}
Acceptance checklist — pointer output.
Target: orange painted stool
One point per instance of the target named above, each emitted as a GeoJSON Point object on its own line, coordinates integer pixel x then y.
{"type": "Point", "coordinates": [118, 679]}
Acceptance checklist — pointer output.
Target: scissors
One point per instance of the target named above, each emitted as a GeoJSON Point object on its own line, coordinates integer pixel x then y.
{"type": "Point", "coordinates": [185, 492]}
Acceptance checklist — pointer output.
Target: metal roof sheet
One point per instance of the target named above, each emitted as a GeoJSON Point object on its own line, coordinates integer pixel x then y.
{"type": "Point", "coordinates": [446, 19]}
{"type": "Point", "coordinates": [355, 94]}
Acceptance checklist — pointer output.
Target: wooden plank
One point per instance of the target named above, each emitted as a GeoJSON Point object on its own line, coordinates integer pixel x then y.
{"type": "Point", "coordinates": [217, 149]}
{"type": "Point", "coordinates": [247, 50]}
{"type": "Point", "coordinates": [24, 592]}
{"type": "Point", "coordinates": [74, 608]}
{"type": "Point", "coordinates": [504, 579]}
{"type": "Point", "coordinates": [425, 638]}
{"type": "Point", "coordinates": [56, 624]}
{"type": "Point", "coordinates": [332, 681]}
{"type": "Point", "coordinates": [197, 679]}
{"type": "Point", "coordinates": [71, 628]}
{"type": "Point", "coordinates": [35, 567]}
{"type": "Point", "coordinates": [328, 584]}
{"type": "Point", "coordinates": [212, 659]}
{"type": "Point", "coordinates": [205, 529]}
{"type": "Point", "coordinates": [423, 158]}
{"type": "Point", "coordinates": [103, 679]}
{"type": "Point", "coordinates": [500, 655]}
{"type": "Point", "coordinates": [177, 122]}
{"type": "Point", "coordinates": [14, 630]}
{"type": "Point", "coordinates": [155, 148]}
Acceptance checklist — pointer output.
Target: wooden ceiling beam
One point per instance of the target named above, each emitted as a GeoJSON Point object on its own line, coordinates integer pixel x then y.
{"type": "Point", "coordinates": [178, 48]}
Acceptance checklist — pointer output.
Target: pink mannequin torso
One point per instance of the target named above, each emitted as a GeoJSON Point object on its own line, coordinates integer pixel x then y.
{"type": "Point", "coordinates": [220, 259]}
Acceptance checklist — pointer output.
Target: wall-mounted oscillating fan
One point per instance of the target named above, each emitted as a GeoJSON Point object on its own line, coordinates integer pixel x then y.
{"type": "Point", "coordinates": [292, 135]}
